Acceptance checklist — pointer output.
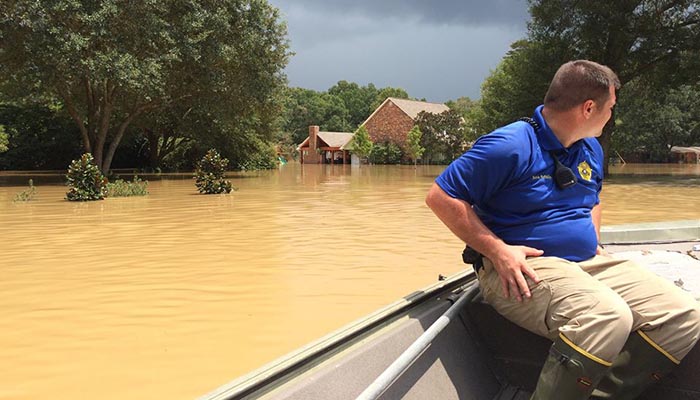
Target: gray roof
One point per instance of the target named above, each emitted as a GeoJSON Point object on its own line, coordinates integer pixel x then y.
{"type": "Point", "coordinates": [411, 107]}
{"type": "Point", "coordinates": [679, 149]}
{"type": "Point", "coordinates": [335, 139]}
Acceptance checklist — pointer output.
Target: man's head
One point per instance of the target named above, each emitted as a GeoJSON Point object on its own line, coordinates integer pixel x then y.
{"type": "Point", "coordinates": [578, 81]}
{"type": "Point", "coordinates": [584, 92]}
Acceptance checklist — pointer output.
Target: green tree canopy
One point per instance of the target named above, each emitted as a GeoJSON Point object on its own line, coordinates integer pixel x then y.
{"type": "Point", "coordinates": [357, 100]}
{"type": "Point", "coordinates": [639, 39]}
{"type": "Point", "coordinates": [4, 141]}
{"type": "Point", "coordinates": [361, 143]}
{"type": "Point", "coordinates": [110, 62]}
{"type": "Point", "coordinates": [344, 106]}
{"type": "Point", "coordinates": [382, 95]}
{"type": "Point", "coordinates": [514, 88]}
{"type": "Point", "coordinates": [651, 42]}
{"type": "Point", "coordinates": [652, 120]}
{"type": "Point", "coordinates": [443, 135]}
{"type": "Point", "coordinates": [414, 149]}
{"type": "Point", "coordinates": [305, 107]}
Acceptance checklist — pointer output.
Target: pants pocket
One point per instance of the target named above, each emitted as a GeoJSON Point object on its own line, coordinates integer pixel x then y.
{"type": "Point", "coordinates": [530, 314]}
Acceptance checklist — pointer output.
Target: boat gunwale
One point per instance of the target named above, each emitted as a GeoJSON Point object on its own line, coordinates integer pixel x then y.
{"type": "Point", "coordinates": [277, 372]}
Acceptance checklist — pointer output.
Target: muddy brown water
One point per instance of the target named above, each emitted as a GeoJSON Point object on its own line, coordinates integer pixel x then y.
{"type": "Point", "coordinates": [173, 294]}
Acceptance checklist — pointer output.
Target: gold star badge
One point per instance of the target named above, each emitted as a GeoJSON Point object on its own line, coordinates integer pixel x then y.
{"type": "Point", "coordinates": [585, 171]}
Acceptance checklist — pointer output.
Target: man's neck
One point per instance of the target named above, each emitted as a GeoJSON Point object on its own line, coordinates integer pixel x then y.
{"type": "Point", "coordinates": [563, 125]}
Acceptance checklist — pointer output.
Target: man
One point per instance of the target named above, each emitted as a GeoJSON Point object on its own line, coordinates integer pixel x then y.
{"type": "Point", "coordinates": [526, 198]}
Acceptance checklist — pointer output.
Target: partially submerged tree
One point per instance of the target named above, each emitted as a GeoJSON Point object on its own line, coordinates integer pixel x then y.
{"type": "Point", "coordinates": [111, 62]}
{"type": "Point", "coordinates": [413, 146]}
{"type": "Point", "coordinates": [361, 143]}
{"type": "Point", "coordinates": [443, 135]}
{"type": "Point", "coordinates": [210, 175]}
{"type": "Point", "coordinates": [85, 181]}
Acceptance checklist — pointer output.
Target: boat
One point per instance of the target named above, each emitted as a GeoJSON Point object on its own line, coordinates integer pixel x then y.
{"type": "Point", "coordinates": [474, 353]}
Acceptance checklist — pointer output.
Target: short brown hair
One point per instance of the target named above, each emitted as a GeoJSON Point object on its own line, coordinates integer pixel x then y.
{"type": "Point", "coordinates": [578, 81]}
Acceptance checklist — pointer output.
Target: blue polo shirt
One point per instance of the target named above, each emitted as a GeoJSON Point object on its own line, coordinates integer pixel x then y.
{"type": "Point", "coordinates": [507, 177]}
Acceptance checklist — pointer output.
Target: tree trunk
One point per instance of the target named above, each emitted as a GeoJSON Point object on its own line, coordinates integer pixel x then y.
{"type": "Point", "coordinates": [84, 134]}
{"type": "Point", "coordinates": [153, 156]}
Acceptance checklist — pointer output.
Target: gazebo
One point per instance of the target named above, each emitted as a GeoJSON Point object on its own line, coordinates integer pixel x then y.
{"type": "Point", "coordinates": [689, 155]}
{"type": "Point", "coordinates": [325, 147]}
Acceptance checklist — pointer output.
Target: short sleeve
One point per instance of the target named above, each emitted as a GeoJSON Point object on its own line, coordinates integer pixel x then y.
{"type": "Point", "coordinates": [485, 169]}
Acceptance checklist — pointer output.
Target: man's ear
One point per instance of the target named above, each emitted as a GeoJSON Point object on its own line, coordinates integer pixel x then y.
{"type": "Point", "coordinates": [587, 108]}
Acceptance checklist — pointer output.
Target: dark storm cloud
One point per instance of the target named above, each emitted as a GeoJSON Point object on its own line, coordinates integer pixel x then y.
{"type": "Point", "coordinates": [460, 12]}
{"type": "Point", "coordinates": [437, 50]}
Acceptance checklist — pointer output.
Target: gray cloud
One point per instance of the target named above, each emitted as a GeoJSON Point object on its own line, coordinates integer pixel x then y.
{"type": "Point", "coordinates": [439, 53]}
{"type": "Point", "coordinates": [459, 12]}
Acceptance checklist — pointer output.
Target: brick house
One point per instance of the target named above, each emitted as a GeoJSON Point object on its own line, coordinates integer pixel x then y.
{"type": "Point", "coordinates": [325, 147]}
{"type": "Point", "coordinates": [392, 120]}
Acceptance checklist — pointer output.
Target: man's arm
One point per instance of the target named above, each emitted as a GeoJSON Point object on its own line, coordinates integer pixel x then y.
{"type": "Point", "coordinates": [597, 216]}
{"type": "Point", "coordinates": [509, 261]}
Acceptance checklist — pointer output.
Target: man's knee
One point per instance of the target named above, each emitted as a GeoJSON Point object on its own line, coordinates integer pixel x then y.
{"type": "Point", "coordinates": [679, 334]}
{"type": "Point", "coordinates": [621, 317]}
{"type": "Point", "coordinates": [692, 321]}
{"type": "Point", "coordinates": [614, 317]}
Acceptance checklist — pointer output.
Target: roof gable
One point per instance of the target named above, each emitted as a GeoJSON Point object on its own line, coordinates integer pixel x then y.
{"type": "Point", "coordinates": [335, 139]}
{"type": "Point", "coordinates": [331, 139]}
{"type": "Point", "coordinates": [411, 107]}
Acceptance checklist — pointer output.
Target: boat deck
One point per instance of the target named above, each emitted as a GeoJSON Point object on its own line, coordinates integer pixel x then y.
{"type": "Point", "coordinates": [479, 356]}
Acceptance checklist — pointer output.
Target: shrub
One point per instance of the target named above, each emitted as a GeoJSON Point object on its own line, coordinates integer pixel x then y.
{"type": "Point", "coordinates": [385, 153]}
{"type": "Point", "coordinates": [26, 194]}
{"type": "Point", "coordinates": [122, 188]}
{"type": "Point", "coordinates": [361, 143]}
{"type": "Point", "coordinates": [261, 160]}
{"type": "Point", "coordinates": [85, 181]}
{"type": "Point", "coordinates": [210, 174]}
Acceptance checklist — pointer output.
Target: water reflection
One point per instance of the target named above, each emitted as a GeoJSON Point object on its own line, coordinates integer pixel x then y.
{"type": "Point", "coordinates": [172, 294]}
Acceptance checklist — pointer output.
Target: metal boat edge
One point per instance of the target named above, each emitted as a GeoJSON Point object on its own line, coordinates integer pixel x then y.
{"type": "Point", "coordinates": [279, 371]}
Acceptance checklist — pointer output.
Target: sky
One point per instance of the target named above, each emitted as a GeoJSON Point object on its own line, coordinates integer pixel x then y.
{"type": "Point", "coordinates": [438, 50]}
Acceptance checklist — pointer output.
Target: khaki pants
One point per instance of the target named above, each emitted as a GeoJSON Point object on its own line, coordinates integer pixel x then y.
{"type": "Point", "coordinates": [595, 304]}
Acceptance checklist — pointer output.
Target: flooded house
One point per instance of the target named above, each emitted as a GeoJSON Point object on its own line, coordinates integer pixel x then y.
{"type": "Point", "coordinates": [390, 122]}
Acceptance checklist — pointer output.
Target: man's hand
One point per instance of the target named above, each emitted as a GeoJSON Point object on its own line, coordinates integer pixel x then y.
{"type": "Point", "coordinates": [510, 264]}
{"type": "Point", "coordinates": [600, 251]}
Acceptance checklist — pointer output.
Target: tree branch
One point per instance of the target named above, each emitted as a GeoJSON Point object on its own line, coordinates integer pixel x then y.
{"type": "Point", "coordinates": [76, 117]}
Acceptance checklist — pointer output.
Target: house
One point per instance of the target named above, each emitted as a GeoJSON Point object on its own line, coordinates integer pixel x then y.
{"type": "Point", "coordinates": [325, 147]}
{"type": "Point", "coordinates": [690, 155]}
{"type": "Point", "coordinates": [394, 118]}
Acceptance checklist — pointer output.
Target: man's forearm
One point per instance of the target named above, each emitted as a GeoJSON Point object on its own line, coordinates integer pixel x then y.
{"type": "Point", "coordinates": [459, 217]}
{"type": "Point", "coordinates": [597, 216]}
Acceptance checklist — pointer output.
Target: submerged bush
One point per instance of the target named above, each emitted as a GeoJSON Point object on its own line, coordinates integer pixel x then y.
{"type": "Point", "coordinates": [85, 181]}
{"type": "Point", "coordinates": [26, 194]}
{"type": "Point", "coordinates": [122, 188]}
{"type": "Point", "coordinates": [385, 153]}
{"type": "Point", "coordinates": [210, 174]}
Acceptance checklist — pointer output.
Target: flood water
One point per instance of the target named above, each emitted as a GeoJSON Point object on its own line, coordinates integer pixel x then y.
{"type": "Point", "coordinates": [173, 294]}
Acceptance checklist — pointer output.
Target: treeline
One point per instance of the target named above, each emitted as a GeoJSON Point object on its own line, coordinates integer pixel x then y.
{"type": "Point", "coordinates": [156, 85]}
{"type": "Point", "coordinates": [146, 84]}
{"type": "Point", "coordinates": [653, 47]}
{"type": "Point", "coordinates": [341, 108]}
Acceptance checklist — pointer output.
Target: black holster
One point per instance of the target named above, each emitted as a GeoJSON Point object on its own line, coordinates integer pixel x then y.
{"type": "Point", "coordinates": [473, 257]}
